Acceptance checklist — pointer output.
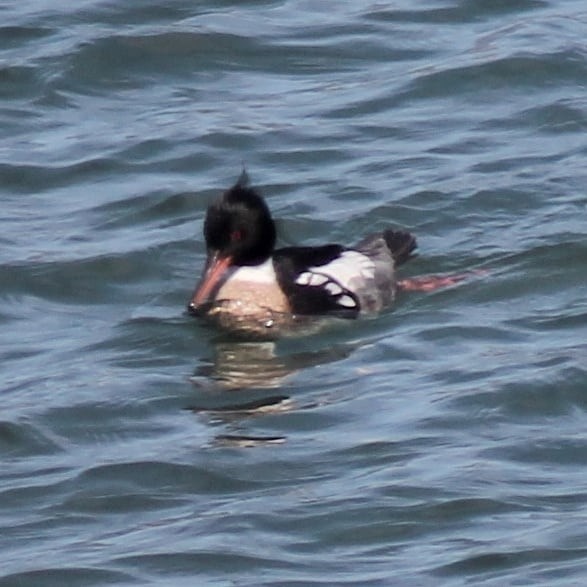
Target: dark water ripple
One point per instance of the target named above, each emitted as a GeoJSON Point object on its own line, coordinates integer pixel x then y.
{"type": "Point", "coordinates": [441, 443]}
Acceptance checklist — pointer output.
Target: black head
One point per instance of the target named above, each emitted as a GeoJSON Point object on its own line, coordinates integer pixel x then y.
{"type": "Point", "coordinates": [239, 226]}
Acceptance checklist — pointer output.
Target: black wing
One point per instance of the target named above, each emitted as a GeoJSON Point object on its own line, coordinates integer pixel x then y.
{"type": "Point", "coordinates": [309, 291]}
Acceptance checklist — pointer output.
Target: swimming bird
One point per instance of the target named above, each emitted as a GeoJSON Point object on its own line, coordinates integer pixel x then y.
{"type": "Point", "coordinates": [250, 286]}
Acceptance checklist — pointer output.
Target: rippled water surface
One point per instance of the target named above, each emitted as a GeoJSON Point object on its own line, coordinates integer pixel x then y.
{"type": "Point", "coordinates": [442, 443]}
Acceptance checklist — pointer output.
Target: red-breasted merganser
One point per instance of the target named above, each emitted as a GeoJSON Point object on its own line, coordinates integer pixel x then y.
{"type": "Point", "coordinates": [251, 287]}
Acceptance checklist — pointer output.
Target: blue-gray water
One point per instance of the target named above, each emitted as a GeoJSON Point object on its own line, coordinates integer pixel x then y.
{"type": "Point", "coordinates": [443, 443]}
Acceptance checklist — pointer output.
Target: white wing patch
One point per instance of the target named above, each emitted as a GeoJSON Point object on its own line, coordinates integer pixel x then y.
{"type": "Point", "coordinates": [333, 288]}
{"type": "Point", "coordinates": [309, 278]}
{"type": "Point", "coordinates": [352, 269]}
{"type": "Point", "coordinates": [341, 277]}
{"type": "Point", "coordinates": [346, 301]}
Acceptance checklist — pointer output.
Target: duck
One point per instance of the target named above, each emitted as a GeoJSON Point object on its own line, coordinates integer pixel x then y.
{"type": "Point", "coordinates": [250, 286]}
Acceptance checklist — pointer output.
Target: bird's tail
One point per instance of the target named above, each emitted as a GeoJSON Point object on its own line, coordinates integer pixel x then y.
{"type": "Point", "coordinates": [401, 244]}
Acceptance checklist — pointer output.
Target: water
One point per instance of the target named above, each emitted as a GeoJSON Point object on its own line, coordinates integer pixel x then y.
{"type": "Point", "coordinates": [441, 443]}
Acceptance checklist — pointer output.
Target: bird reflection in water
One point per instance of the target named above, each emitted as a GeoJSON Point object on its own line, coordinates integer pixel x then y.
{"type": "Point", "coordinates": [244, 365]}
{"type": "Point", "coordinates": [249, 365]}
{"type": "Point", "coordinates": [250, 368]}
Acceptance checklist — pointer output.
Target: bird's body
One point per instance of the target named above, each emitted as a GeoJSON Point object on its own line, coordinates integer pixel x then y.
{"type": "Point", "coordinates": [250, 287]}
